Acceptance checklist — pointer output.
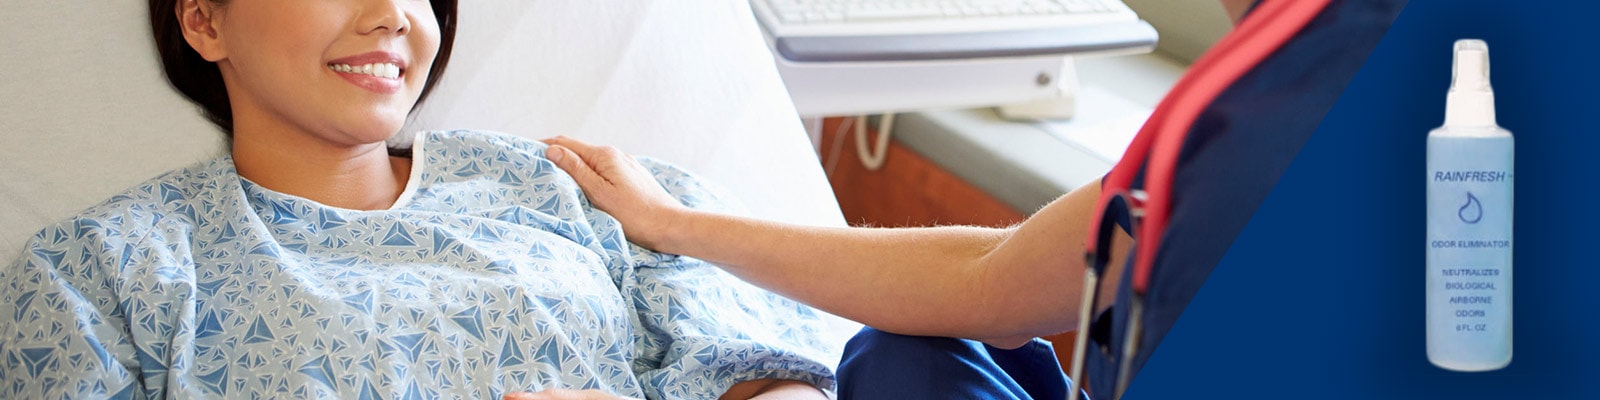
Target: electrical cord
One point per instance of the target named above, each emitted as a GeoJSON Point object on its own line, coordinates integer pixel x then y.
{"type": "Point", "coordinates": [873, 158]}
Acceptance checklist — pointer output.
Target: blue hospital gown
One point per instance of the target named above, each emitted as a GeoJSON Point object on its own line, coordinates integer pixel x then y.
{"type": "Point", "coordinates": [491, 274]}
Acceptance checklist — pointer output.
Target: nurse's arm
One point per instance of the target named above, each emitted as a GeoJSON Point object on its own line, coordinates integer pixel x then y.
{"type": "Point", "coordinates": [1001, 286]}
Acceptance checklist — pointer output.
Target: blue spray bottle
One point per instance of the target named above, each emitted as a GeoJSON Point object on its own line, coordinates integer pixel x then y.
{"type": "Point", "coordinates": [1469, 224]}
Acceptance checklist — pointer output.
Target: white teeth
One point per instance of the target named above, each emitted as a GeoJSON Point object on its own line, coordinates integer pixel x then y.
{"type": "Point", "coordinates": [381, 70]}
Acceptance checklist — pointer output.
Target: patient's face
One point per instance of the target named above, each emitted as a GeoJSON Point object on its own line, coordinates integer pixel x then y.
{"type": "Point", "coordinates": [344, 71]}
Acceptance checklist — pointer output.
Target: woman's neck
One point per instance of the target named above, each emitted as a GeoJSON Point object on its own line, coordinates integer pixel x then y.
{"type": "Point", "coordinates": [360, 177]}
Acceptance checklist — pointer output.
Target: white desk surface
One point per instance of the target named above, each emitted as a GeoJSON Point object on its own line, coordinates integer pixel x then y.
{"type": "Point", "coordinates": [1028, 164]}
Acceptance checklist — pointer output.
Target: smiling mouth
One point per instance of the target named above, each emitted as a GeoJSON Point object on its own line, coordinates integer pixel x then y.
{"type": "Point", "coordinates": [381, 70]}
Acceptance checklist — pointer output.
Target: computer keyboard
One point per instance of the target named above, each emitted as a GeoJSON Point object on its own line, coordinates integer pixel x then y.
{"type": "Point", "coordinates": [906, 30]}
{"type": "Point", "coordinates": [823, 12]}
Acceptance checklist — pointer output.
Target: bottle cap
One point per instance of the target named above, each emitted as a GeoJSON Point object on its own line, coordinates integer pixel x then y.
{"type": "Point", "coordinates": [1471, 100]}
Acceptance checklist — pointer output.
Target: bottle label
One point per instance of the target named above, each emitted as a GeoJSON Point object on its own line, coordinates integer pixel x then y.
{"type": "Point", "coordinates": [1469, 248]}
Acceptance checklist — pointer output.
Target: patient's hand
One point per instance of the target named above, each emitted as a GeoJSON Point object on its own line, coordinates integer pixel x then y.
{"type": "Point", "coordinates": [763, 389]}
{"type": "Point", "coordinates": [618, 185]}
{"type": "Point", "coordinates": [563, 394]}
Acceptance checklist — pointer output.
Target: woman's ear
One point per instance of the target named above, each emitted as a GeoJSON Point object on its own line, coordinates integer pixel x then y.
{"type": "Point", "coordinates": [202, 28]}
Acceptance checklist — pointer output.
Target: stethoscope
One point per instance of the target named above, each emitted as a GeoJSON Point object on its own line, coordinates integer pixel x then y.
{"type": "Point", "coordinates": [1160, 142]}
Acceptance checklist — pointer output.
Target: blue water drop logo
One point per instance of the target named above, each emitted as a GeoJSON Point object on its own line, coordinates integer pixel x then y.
{"type": "Point", "coordinates": [1472, 212]}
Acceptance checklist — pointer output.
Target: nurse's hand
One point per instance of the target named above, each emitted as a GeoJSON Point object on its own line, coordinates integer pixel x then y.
{"type": "Point", "coordinates": [563, 394]}
{"type": "Point", "coordinates": [618, 185]}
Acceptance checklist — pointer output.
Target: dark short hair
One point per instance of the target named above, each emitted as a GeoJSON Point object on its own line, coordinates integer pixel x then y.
{"type": "Point", "coordinates": [201, 81]}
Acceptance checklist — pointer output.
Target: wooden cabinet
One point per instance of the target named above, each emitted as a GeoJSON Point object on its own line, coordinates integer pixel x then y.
{"type": "Point", "coordinates": [910, 190]}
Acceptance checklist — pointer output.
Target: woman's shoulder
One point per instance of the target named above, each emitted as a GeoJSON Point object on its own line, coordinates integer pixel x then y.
{"type": "Point", "coordinates": [468, 139]}
{"type": "Point", "coordinates": [473, 153]}
{"type": "Point", "coordinates": [175, 197]}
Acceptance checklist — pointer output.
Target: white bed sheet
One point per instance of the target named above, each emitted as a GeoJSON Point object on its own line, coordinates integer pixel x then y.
{"type": "Point", "coordinates": [87, 113]}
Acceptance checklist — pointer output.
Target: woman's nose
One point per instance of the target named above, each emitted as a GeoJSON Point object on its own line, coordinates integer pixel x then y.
{"type": "Point", "coordinates": [383, 15]}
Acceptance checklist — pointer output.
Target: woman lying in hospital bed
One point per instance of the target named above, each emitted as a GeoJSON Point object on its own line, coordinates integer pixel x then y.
{"type": "Point", "coordinates": [312, 262]}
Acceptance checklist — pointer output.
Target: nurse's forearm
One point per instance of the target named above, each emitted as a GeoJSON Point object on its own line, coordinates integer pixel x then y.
{"type": "Point", "coordinates": [919, 281]}
{"type": "Point", "coordinates": [996, 285]}
{"type": "Point", "coordinates": [1001, 286]}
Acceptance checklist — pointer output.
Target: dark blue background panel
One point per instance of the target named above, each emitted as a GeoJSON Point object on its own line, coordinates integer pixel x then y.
{"type": "Point", "coordinates": [1321, 295]}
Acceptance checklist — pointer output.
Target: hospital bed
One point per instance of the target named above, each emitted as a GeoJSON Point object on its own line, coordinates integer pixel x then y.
{"type": "Point", "coordinates": [87, 113]}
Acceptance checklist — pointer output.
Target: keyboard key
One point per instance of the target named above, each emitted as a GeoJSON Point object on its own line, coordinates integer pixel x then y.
{"type": "Point", "coordinates": [888, 14]}
{"type": "Point", "coordinates": [842, 12]}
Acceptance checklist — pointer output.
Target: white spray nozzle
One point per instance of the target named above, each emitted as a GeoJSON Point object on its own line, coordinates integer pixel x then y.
{"type": "Point", "coordinates": [1471, 65]}
{"type": "Point", "coordinates": [1471, 100]}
